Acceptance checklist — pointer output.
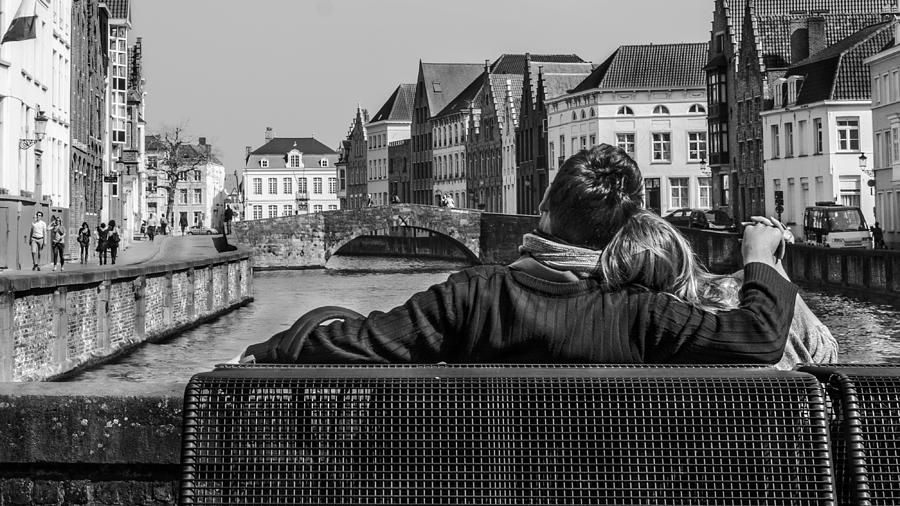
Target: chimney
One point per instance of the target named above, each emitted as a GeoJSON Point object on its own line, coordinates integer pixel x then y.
{"type": "Point", "coordinates": [202, 141]}
{"type": "Point", "coordinates": [817, 41]}
{"type": "Point", "coordinates": [270, 134]}
{"type": "Point", "coordinates": [799, 31]}
{"type": "Point", "coordinates": [249, 150]}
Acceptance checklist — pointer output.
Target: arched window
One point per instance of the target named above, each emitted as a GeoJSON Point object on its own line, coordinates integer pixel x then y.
{"type": "Point", "coordinates": [697, 108]}
{"type": "Point", "coordinates": [593, 112]}
{"type": "Point", "coordinates": [661, 109]}
{"type": "Point", "coordinates": [583, 115]}
{"type": "Point", "coordinates": [264, 163]}
{"type": "Point", "coordinates": [574, 116]}
{"type": "Point", "coordinates": [625, 111]}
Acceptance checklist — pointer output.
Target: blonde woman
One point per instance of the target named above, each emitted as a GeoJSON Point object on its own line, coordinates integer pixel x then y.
{"type": "Point", "coordinates": [650, 252]}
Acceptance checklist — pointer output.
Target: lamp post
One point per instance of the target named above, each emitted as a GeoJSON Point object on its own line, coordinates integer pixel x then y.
{"type": "Point", "coordinates": [40, 129]}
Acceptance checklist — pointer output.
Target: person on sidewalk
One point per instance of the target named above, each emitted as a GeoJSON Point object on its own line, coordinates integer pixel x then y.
{"type": "Point", "coordinates": [84, 241]}
{"type": "Point", "coordinates": [57, 242]}
{"type": "Point", "coordinates": [553, 305]}
{"type": "Point", "coordinates": [182, 222]}
{"type": "Point", "coordinates": [102, 239]}
{"type": "Point", "coordinates": [113, 241]}
{"type": "Point", "coordinates": [152, 223]}
{"type": "Point", "coordinates": [229, 215]}
{"type": "Point", "coordinates": [162, 225]}
{"type": "Point", "coordinates": [37, 238]}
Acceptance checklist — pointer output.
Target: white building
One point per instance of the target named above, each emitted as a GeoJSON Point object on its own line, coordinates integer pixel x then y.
{"type": "Point", "coordinates": [391, 123]}
{"type": "Point", "coordinates": [34, 78]}
{"type": "Point", "coordinates": [290, 175]}
{"type": "Point", "coordinates": [884, 70]}
{"type": "Point", "coordinates": [650, 101]}
{"type": "Point", "coordinates": [508, 161]}
{"type": "Point", "coordinates": [819, 127]}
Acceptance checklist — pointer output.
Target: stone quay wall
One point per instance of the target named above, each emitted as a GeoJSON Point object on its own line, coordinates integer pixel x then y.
{"type": "Point", "coordinates": [53, 325]}
{"type": "Point", "coordinates": [90, 443]}
{"type": "Point", "coordinates": [872, 273]}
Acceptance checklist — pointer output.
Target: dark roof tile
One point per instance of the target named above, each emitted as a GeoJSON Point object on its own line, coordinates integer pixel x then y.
{"type": "Point", "coordinates": [119, 9]}
{"type": "Point", "coordinates": [651, 66]}
{"type": "Point", "coordinates": [282, 145]}
{"type": "Point", "coordinates": [399, 106]}
{"type": "Point", "coordinates": [515, 63]}
{"type": "Point", "coordinates": [444, 81]}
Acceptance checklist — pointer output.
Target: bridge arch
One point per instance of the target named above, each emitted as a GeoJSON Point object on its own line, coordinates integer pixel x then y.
{"type": "Point", "coordinates": [458, 245]}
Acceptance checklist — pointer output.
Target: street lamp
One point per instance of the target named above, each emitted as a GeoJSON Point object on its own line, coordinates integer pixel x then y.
{"type": "Point", "coordinates": [864, 166]}
{"type": "Point", "coordinates": [40, 129]}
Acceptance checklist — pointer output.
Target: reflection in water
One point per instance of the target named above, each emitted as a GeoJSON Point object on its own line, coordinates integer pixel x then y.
{"type": "Point", "coordinates": [866, 332]}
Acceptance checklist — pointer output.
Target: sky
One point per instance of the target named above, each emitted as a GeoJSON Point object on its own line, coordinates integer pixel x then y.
{"type": "Point", "coordinates": [227, 70]}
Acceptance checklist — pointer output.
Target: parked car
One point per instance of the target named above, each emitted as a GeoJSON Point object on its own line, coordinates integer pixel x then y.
{"type": "Point", "coordinates": [711, 219]}
{"type": "Point", "coordinates": [201, 230]}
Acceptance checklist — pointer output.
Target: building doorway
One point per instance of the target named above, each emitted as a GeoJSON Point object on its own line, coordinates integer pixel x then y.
{"type": "Point", "coordinates": [654, 200]}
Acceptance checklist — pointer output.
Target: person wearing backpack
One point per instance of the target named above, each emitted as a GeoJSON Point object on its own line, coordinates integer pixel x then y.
{"type": "Point", "coordinates": [102, 240]}
{"type": "Point", "coordinates": [113, 240]}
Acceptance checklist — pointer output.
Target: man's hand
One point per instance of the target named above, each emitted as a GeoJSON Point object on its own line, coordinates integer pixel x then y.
{"type": "Point", "coordinates": [763, 241]}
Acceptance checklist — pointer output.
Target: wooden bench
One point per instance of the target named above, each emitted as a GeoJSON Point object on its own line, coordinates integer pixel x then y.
{"type": "Point", "coordinates": [485, 434]}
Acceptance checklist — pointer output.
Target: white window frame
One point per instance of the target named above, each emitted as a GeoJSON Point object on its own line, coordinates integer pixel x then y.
{"type": "Point", "coordinates": [847, 128]}
{"type": "Point", "coordinates": [257, 212]}
{"type": "Point", "coordinates": [697, 109]}
{"type": "Point", "coordinates": [287, 184]}
{"type": "Point", "coordinates": [625, 110]}
{"type": "Point", "coordinates": [661, 110]}
{"type": "Point", "coordinates": [257, 186]}
{"type": "Point", "coordinates": [625, 141]}
{"type": "Point", "coordinates": [273, 211]}
{"type": "Point", "coordinates": [776, 141]}
{"type": "Point", "coordinates": [683, 198]}
{"type": "Point", "coordinates": [788, 139]}
{"type": "Point", "coordinates": [264, 163]}
{"type": "Point", "coordinates": [317, 185]}
{"type": "Point", "coordinates": [704, 192]}
{"type": "Point", "coordinates": [818, 136]}
{"type": "Point", "coordinates": [294, 160]}
{"type": "Point", "coordinates": [661, 147]}
{"type": "Point", "coordinates": [697, 146]}
{"type": "Point", "coordinates": [273, 186]}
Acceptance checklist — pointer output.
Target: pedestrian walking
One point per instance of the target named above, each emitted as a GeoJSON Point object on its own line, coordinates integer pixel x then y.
{"type": "Point", "coordinates": [57, 242]}
{"type": "Point", "coordinates": [182, 222]}
{"type": "Point", "coordinates": [152, 223]}
{"type": "Point", "coordinates": [229, 215]}
{"type": "Point", "coordinates": [878, 237]}
{"type": "Point", "coordinates": [84, 241]}
{"type": "Point", "coordinates": [102, 239]}
{"type": "Point", "coordinates": [113, 241]}
{"type": "Point", "coordinates": [37, 238]}
{"type": "Point", "coordinates": [162, 225]}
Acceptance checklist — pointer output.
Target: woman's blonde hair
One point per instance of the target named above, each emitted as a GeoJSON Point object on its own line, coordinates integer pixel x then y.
{"type": "Point", "coordinates": [650, 252]}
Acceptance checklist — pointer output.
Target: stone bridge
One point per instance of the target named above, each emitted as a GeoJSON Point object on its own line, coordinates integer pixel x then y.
{"type": "Point", "coordinates": [309, 240]}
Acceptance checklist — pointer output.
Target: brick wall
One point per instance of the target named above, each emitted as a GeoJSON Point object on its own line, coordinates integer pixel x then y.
{"type": "Point", "coordinates": [49, 331]}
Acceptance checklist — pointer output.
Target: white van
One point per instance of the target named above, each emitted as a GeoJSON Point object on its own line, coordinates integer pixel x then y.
{"type": "Point", "coordinates": [835, 226]}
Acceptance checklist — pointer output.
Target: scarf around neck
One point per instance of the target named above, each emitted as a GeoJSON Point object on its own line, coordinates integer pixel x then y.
{"type": "Point", "coordinates": [583, 262]}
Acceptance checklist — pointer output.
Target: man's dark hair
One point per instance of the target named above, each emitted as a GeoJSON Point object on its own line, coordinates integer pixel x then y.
{"type": "Point", "coordinates": [595, 191]}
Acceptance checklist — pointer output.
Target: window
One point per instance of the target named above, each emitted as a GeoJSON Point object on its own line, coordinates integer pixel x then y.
{"type": "Point", "coordinates": [301, 185]}
{"type": "Point", "coordinates": [317, 208]}
{"type": "Point", "coordinates": [552, 151]}
{"type": "Point", "coordinates": [574, 145]}
{"type": "Point", "coordinates": [273, 211]}
{"type": "Point", "coordinates": [257, 212]}
{"type": "Point", "coordinates": [198, 176]}
{"type": "Point", "coordinates": [264, 163]}
{"type": "Point", "coordinates": [574, 115]}
{"type": "Point", "coordinates": [257, 186]}
{"type": "Point", "coordinates": [198, 217]}
{"type": "Point", "coordinates": [332, 185]}
{"type": "Point", "coordinates": [332, 207]}
{"type": "Point", "coordinates": [662, 147]}
{"type": "Point", "coordinates": [294, 160]}
{"type": "Point", "coordinates": [626, 143]}
{"type": "Point", "coordinates": [696, 146]}
{"type": "Point", "coordinates": [625, 111]}
{"type": "Point", "coordinates": [583, 115]}
{"type": "Point", "coordinates": [788, 139]}
{"type": "Point", "coordinates": [850, 190]}
{"type": "Point", "coordinates": [584, 143]}
{"type": "Point", "coordinates": [562, 146]}
{"type": "Point", "coordinates": [323, 162]}
{"type": "Point", "coordinates": [848, 134]}
{"type": "Point", "coordinates": [182, 196]}
{"type": "Point", "coordinates": [593, 112]}
{"type": "Point", "coordinates": [817, 136]}
{"type": "Point", "coordinates": [661, 110]}
{"type": "Point", "coordinates": [287, 210]}
{"type": "Point", "coordinates": [697, 109]}
{"type": "Point", "coordinates": [198, 196]}
{"type": "Point", "coordinates": [776, 142]}
{"type": "Point", "coordinates": [678, 192]}
{"type": "Point", "coordinates": [288, 186]}
{"type": "Point", "coordinates": [593, 140]}
{"type": "Point", "coordinates": [801, 136]}
{"type": "Point", "coordinates": [895, 143]}
{"type": "Point", "coordinates": [317, 185]}
{"type": "Point", "coordinates": [724, 180]}
{"type": "Point", "coordinates": [704, 189]}
{"type": "Point", "coordinates": [876, 92]}
{"type": "Point", "coordinates": [273, 185]}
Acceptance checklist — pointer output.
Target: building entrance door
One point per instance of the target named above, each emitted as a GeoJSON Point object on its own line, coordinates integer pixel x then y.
{"type": "Point", "coordinates": [651, 188]}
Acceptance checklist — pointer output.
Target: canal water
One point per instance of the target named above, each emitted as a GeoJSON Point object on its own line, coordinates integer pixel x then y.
{"type": "Point", "coordinates": [867, 333]}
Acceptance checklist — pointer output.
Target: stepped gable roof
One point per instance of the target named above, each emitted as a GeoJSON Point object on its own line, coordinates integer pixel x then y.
{"type": "Point", "coordinates": [119, 9]}
{"type": "Point", "coordinates": [498, 90]}
{"type": "Point", "coordinates": [399, 106]}
{"type": "Point", "coordinates": [556, 85]}
{"type": "Point", "coordinates": [837, 72]}
{"type": "Point", "coordinates": [471, 95]}
{"type": "Point", "coordinates": [650, 66]}
{"type": "Point", "coordinates": [444, 81]}
{"type": "Point", "coordinates": [282, 145]}
{"type": "Point", "coordinates": [771, 22]}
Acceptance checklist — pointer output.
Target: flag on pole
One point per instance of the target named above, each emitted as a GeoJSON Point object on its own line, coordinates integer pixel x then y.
{"type": "Point", "coordinates": [23, 24]}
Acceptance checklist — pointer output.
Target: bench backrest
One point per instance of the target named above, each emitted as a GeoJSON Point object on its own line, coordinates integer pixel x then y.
{"type": "Point", "coordinates": [865, 430]}
{"type": "Point", "coordinates": [505, 435]}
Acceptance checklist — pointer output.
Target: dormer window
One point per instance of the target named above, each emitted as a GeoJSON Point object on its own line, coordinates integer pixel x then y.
{"type": "Point", "coordinates": [625, 111]}
{"type": "Point", "coordinates": [264, 163]}
{"type": "Point", "coordinates": [661, 110]}
{"type": "Point", "coordinates": [323, 162]}
{"type": "Point", "coordinates": [295, 159]}
{"type": "Point", "coordinates": [697, 109]}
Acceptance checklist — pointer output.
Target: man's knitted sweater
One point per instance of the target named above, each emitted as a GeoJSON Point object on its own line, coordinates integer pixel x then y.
{"type": "Point", "coordinates": [499, 314]}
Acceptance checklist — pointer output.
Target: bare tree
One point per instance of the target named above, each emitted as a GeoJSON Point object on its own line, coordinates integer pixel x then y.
{"type": "Point", "coordinates": [177, 158]}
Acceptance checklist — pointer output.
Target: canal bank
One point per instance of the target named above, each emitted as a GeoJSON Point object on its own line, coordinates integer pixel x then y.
{"type": "Point", "coordinates": [55, 323]}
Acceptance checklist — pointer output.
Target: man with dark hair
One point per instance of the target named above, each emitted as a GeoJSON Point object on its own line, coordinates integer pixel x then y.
{"type": "Point", "coordinates": [550, 305]}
